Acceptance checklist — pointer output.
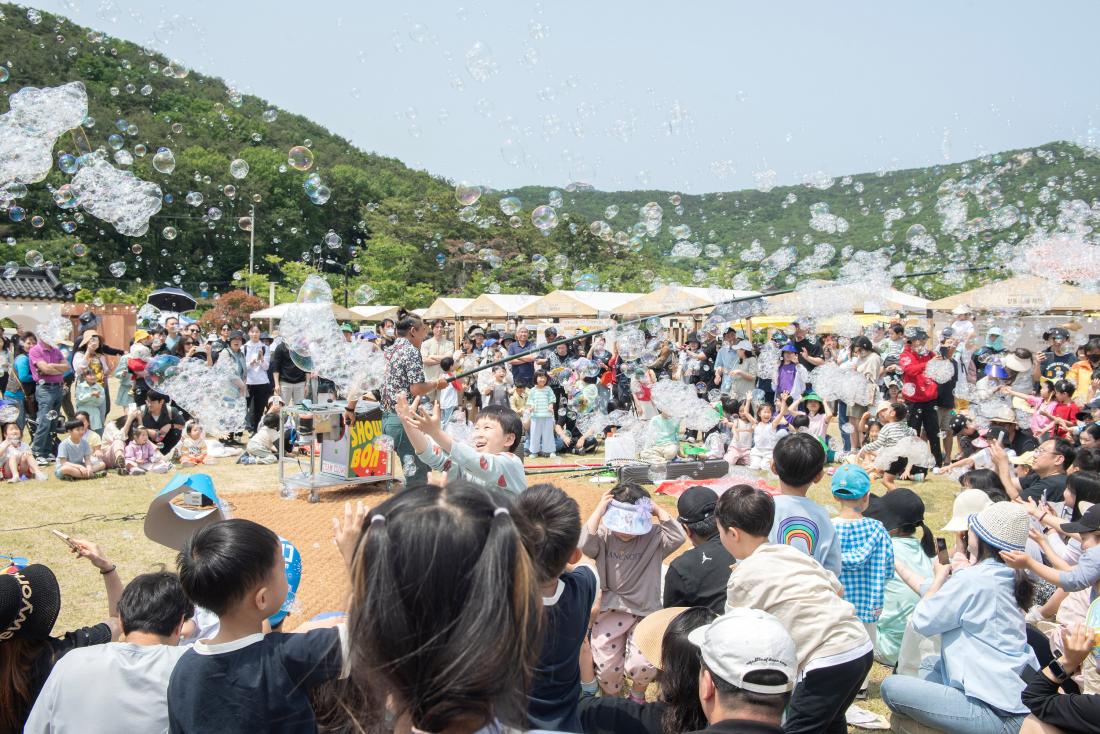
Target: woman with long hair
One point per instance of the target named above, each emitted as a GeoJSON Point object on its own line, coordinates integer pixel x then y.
{"type": "Point", "coordinates": [975, 684]}
{"type": "Point", "coordinates": [30, 600]}
{"type": "Point", "coordinates": [663, 638]}
{"type": "Point", "coordinates": [444, 622]}
{"type": "Point", "coordinates": [21, 363]}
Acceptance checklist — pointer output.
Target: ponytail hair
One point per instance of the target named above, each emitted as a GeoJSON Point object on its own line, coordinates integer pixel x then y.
{"type": "Point", "coordinates": [445, 618]}
{"type": "Point", "coordinates": [406, 321]}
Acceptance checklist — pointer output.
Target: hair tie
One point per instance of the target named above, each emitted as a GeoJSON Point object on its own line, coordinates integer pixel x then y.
{"type": "Point", "coordinates": [377, 518]}
{"type": "Point", "coordinates": [501, 511]}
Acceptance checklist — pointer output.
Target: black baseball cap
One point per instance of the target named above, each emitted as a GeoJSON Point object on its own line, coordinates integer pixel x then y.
{"type": "Point", "coordinates": [1087, 523]}
{"type": "Point", "coordinates": [895, 509]}
{"type": "Point", "coordinates": [696, 504]}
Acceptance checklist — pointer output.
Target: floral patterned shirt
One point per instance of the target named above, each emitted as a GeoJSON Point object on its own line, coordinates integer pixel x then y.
{"type": "Point", "coordinates": [404, 368]}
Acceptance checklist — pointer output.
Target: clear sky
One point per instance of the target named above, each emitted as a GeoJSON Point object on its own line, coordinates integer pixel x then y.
{"type": "Point", "coordinates": [688, 96]}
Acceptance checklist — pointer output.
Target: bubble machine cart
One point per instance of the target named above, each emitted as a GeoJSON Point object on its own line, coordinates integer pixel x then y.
{"type": "Point", "coordinates": [341, 454]}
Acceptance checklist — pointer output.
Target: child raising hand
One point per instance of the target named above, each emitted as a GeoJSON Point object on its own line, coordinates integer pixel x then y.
{"type": "Point", "coordinates": [490, 462]}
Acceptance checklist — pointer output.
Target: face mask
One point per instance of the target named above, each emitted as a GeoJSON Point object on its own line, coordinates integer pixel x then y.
{"type": "Point", "coordinates": [997, 343]}
{"type": "Point", "coordinates": [388, 332]}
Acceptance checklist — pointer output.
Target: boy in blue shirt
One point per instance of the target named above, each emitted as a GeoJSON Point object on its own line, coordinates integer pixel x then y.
{"type": "Point", "coordinates": [866, 551]}
{"type": "Point", "coordinates": [799, 461]}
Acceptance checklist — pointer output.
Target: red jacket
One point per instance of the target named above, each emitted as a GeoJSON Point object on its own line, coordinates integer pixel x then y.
{"type": "Point", "coordinates": [924, 388]}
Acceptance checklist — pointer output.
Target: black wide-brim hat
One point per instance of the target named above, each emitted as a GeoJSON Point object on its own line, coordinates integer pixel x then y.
{"type": "Point", "coordinates": [30, 601]}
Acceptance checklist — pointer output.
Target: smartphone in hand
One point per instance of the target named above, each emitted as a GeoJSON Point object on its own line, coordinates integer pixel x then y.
{"type": "Point", "coordinates": [64, 538]}
{"type": "Point", "coordinates": [941, 551]}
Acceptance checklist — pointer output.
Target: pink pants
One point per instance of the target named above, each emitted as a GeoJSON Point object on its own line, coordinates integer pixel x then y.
{"type": "Point", "coordinates": [614, 652]}
{"type": "Point", "coordinates": [736, 455]}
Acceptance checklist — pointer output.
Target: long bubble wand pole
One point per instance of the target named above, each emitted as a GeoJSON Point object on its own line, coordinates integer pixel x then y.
{"type": "Point", "coordinates": [741, 299]}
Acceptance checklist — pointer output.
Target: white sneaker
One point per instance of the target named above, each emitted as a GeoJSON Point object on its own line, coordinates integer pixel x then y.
{"type": "Point", "coordinates": [40, 476]}
{"type": "Point", "coordinates": [553, 456]}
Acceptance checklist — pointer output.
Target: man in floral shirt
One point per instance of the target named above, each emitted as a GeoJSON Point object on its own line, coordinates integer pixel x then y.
{"type": "Point", "coordinates": [404, 374]}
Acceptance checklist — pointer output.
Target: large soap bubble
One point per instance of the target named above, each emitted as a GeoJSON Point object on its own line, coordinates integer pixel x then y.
{"type": "Point", "coordinates": [160, 369]}
{"type": "Point", "coordinates": [300, 158]}
{"type": "Point", "coordinates": [115, 196]}
{"type": "Point", "coordinates": [315, 290]}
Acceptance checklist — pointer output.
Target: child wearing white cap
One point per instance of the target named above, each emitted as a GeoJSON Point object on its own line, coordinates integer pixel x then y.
{"type": "Point", "coordinates": [834, 651]}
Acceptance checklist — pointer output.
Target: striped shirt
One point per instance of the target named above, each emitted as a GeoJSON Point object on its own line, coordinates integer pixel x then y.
{"type": "Point", "coordinates": [890, 434]}
{"type": "Point", "coordinates": [541, 402]}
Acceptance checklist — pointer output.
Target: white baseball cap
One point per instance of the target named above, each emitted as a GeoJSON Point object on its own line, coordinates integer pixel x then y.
{"type": "Point", "coordinates": [743, 641]}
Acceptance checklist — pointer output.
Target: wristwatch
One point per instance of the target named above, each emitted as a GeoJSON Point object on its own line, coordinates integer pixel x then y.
{"type": "Point", "coordinates": [1059, 672]}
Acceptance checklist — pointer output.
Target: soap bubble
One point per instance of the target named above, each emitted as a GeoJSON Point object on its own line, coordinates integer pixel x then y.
{"type": "Point", "coordinates": [66, 163]}
{"type": "Point", "coordinates": [164, 161]}
{"type": "Point", "coordinates": [509, 205]}
{"type": "Point", "coordinates": [467, 194]}
{"type": "Point", "coordinates": [363, 295]}
{"type": "Point", "coordinates": [115, 141]}
{"type": "Point", "coordinates": [4, 75]}
{"type": "Point", "coordinates": [148, 316]}
{"type": "Point", "coordinates": [300, 158]}
{"type": "Point", "coordinates": [270, 115]}
{"type": "Point", "coordinates": [17, 214]}
{"type": "Point", "coordinates": [159, 369]}
{"type": "Point", "coordinates": [79, 249]}
{"type": "Point", "coordinates": [37, 221]}
{"type": "Point", "coordinates": [554, 198]}
{"type": "Point", "coordinates": [238, 168]}
{"type": "Point", "coordinates": [333, 240]}
{"type": "Point", "coordinates": [322, 195]}
{"type": "Point", "coordinates": [479, 61]}
{"type": "Point", "coordinates": [34, 259]}
{"type": "Point", "coordinates": [315, 289]}
{"type": "Point", "coordinates": [169, 232]}
{"type": "Point", "coordinates": [544, 217]}
{"type": "Point", "coordinates": [245, 224]}
{"type": "Point", "coordinates": [136, 248]}
{"type": "Point", "coordinates": [117, 269]}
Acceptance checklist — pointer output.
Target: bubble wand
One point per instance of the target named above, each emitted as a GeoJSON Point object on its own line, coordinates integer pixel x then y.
{"type": "Point", "coordinates": [732, 301]}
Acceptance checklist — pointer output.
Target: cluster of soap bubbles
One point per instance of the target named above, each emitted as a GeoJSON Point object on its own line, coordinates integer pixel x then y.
{"type": "Point", "coordinates": [679, 400]}
{"type": "Point", "coordinates": [822, 221]}
{"type": "Point", "coordinates": [58, 329]}
{"type": "Point", "coordinates": [214, 396]}
{"type": "Point", "coordinates": [939, 370]}
{"type": "Point", "coordinates": [115, 196]}
{"type": "Point", "coordinates": [316, 341]}
{"type": "Point", "coordinates": [833, 382]}
{"type": "Point", "coordinates": [30, 128]}
{"type": "Point", "coordinates": [316, 189]}
{"type": "Point", "coordinates": [912, 448]}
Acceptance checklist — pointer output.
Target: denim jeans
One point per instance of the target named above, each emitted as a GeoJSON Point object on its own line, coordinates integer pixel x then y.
{"type": "Point", "coordinates": [403, 448]}
{"type": "Point", "coordinates": [48, 397]}
{"type": "Point", "coordinates": [929, 701]}
{"type": "Point", "coordinates": [842, 421]}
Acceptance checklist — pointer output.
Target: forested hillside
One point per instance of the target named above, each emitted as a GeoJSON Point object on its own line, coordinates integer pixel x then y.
{"type": "Point", "coordinates": [402, 236]}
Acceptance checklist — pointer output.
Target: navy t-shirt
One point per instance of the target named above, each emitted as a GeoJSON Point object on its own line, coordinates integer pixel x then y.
{"type": "Point", "coordinates": [556, 688]}
{"type": "Point", "coordinates": [256, 684]}
{"type": "Point", "coordinates": [523, 373]}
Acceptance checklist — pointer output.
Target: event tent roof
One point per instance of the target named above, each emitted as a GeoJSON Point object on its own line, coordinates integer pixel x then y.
{"type": "Point", "coordinates": [1022, 293]}
{"type": "Point", "coordinates": [376, 313]}
{"type": "Point", "coordinates": [496, 305]}
{"type": "Point", "coordinates": [680, 299]}
{"type": "Point", "coordinates": [278, 312]}
{"type": "Point", "coordinates": [576, 304]}
{"type": "Point", "coordinates": [446, 307]}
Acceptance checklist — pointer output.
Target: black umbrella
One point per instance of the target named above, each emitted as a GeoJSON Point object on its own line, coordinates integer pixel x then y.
{"type": "Point", "coordinates": [172, 299]}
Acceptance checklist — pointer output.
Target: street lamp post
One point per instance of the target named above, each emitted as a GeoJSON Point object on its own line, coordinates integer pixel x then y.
{"type": "Point", "coordinates": [251, 244]}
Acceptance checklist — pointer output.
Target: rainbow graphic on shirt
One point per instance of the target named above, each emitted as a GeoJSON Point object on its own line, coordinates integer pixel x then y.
{"type": "Point", "coordinates": [800, 532]}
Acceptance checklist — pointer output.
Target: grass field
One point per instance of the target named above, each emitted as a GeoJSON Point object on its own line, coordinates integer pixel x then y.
{"type": "Point", "coordinates": [110, 512]}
